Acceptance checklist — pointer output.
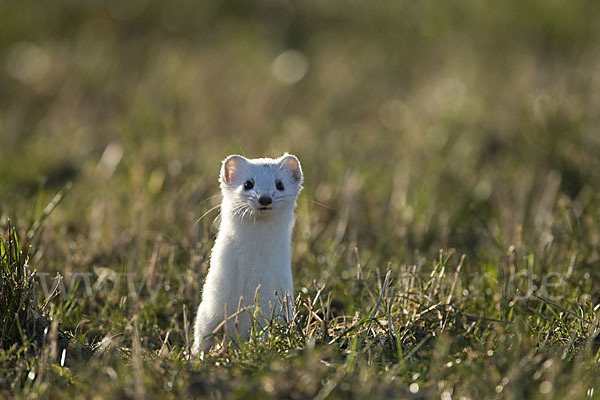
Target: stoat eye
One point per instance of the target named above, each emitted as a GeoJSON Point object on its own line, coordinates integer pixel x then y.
{"type": "Point", "coordinates": [279, 185]}
{"type": "Point", "coordinates": [249, 184]}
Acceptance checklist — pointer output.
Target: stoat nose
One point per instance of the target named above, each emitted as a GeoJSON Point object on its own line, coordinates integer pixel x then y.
{"type": "Point", "coordinates": [265, 200]}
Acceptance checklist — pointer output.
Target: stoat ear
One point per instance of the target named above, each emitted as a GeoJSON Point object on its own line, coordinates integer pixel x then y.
{"type": "Point", "coordinates": [231, 165]}
{"type": "Point", "coordinates": [293, 165]}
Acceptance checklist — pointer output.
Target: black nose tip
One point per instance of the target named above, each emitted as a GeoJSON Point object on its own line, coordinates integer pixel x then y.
{"type": "Point", "coordinates": [265, 200]}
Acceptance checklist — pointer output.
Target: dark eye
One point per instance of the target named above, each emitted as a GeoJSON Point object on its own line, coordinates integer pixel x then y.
{"type": "Point", "coordinates": [249, 184]}
{"type": "Point", "coordinates": [279, 185]}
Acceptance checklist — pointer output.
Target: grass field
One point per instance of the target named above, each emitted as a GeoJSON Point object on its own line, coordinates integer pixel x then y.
{"type": "Point", "coordinates": [447, 242]}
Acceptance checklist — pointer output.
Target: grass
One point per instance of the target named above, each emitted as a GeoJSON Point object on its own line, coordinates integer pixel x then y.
{"type": "Point", "coordinates": [20, 310]}
{"type": "Point", "coordinates": [447, 240]}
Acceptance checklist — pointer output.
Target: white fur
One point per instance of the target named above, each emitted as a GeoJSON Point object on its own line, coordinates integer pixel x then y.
{"type": "Point", "coordinates": [253, 247]}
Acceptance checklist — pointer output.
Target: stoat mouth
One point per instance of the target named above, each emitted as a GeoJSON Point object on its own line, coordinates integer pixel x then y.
{"type": "Point", "coordinates": [264, 208]}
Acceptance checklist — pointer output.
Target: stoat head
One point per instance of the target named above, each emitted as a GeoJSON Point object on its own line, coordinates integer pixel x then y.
{"type": "Point", "coordinates": [261, 188]}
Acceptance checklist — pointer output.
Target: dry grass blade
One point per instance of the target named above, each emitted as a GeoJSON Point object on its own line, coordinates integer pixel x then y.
{"type": "Point", "coordinates": [381, 294]}
{"type": "Point", "coordinates": [552, 303]}
{"type": "Point", "coordinates": [455, 279]}
{"type": "Point", "coordinates": [37, 224]}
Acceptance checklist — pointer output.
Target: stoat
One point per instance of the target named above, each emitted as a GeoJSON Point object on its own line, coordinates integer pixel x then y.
{"type": "Point", "coordinates": [252, 249]}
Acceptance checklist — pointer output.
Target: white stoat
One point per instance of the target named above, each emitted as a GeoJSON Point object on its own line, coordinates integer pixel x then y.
{"type": "Point", "coordinates": [253, 246]}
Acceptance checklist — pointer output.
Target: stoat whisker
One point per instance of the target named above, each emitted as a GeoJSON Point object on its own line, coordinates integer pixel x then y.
{"type": "Point", "coordinates": [212, 197]}
{"type": "Point", "coordinates": [206, 213]}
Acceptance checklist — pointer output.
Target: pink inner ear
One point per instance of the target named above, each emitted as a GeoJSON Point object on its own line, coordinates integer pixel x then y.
{"type": "Point", "coordinates": [228, 175]}
{"type": "Point", "coordinates": [294, 167]}
{"type": "Point", "coordinates": [229, 169]}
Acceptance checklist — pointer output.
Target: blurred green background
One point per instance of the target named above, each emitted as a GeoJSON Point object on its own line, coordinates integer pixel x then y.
{"type": "Point", "coordinates": [420, 125]}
